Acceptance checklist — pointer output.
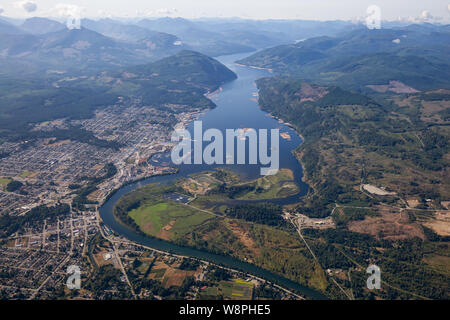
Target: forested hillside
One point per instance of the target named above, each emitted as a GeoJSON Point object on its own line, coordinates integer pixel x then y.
{"type": "Point", "coordinates": [416, 57]}
{"type": "Point", "coordinates": [351, 138]}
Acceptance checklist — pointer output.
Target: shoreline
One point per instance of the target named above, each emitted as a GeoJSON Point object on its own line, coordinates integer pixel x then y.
{"type": "Point", "coordinates": [254, 67]}
{"type": "Point", "coordinates": [304, 178]}
{"type": "Point", "coordinates": [120, 240]}
{"type": "Point", "coordinates": [117, 238]}
{"type": "Point", "coordinates": [211, 95]}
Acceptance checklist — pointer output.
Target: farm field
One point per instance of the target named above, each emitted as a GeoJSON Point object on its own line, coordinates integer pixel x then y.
{"type": "Point", "coordinates": [163, 269]}
{"type": "Point", "coordinates": [236, 289]}
{"type": "Point", "coordinates": [166, 219]}
{"type": "Point", "coordinates": [4, 181]}
{"type": "Point", "coordinates": [280, 185]}
{"type": "Point", "coordinates": [265, 246]}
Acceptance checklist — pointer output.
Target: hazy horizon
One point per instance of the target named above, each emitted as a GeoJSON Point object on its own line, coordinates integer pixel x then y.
{"type": "Point", "coordinates": [405, 11]}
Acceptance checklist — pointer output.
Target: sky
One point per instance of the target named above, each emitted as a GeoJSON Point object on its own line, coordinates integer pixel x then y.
{"type": "Point", "coordinates": [409, 10]}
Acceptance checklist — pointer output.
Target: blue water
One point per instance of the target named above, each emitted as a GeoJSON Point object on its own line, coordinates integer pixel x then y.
{"type": "Point", "coordinates": [235, 109]}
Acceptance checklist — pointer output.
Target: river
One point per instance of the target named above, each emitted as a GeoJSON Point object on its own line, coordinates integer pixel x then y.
{"type": "Point", "coordinates": [236, 108]}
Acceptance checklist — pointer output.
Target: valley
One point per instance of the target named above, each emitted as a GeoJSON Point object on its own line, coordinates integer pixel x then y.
{"type": "Point", "coordinates": [87, 178]}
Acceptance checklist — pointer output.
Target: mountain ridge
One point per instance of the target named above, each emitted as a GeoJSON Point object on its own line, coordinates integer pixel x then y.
{"type": "Point", "coordinates": [364, 57]}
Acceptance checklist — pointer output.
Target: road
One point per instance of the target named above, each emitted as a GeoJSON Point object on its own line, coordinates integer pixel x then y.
{"type": "Point", "coordinates": [293, 221]}
{"type": "Point", "coordinates": [66, 259]}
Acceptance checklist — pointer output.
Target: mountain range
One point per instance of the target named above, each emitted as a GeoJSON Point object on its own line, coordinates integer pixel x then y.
{"type": "Point", "coordinates": [182, 79]}
{"type": "Point", "coordinates": [416, 56]}
{"type": "Point", "coordinates": [39, 45]}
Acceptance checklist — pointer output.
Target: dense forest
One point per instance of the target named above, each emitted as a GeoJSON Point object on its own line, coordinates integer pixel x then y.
{"type": "Point", "coordinates": [346, 134]}
{"type": "Point", "coordinates": [351, 139]}
{"type": "Point", "coordinates": [262, 213]}
{"type": "Point", "coordinates": [182, 79]}
{"type": "Point", "coordinates": [402, 263]}
{"type": "Point", "coordinates": [417, 57]}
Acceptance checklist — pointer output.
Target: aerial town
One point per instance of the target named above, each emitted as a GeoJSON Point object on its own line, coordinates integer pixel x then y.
{"type": "Point", "coordinates": [34, 260]}
{"type": "Point", "coordinates": [47, 168]}
{"type": "Point", "coordinates": [274, 153]}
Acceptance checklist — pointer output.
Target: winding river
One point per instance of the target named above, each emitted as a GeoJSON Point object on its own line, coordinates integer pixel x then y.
{"type": "Point", "coordinates": [237, 107]}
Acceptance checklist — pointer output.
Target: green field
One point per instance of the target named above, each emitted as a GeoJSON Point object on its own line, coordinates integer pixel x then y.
{"type": "Point", "coordinates": [167, 219]}
{"type": "Point", "coordinates": [236, 289]}
{"type": "Point", "coordinates": [212, 291]}
{"type": "Point", "coordinates": [25, 174]}
{"type": "Point", "coordinates": [4, 181]}
{"type": "Point", "coordinates": [280, 251]}
{"type": "Point", "coordinates": [280, 185]}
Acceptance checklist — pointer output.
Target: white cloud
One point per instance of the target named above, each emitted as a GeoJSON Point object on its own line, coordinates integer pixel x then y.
{"type": "Point", "coordinates": [162, 12]}
{"type": "Point", "coordinates": [28, 6]}
{"type": "Point", "coordinates": [104, 14]}
{"type": "Point", "coordinates": [426, 15]}
{"type": "Point", "coordinates": [139, 13]}
{"type": "Point", "coordinates": [396, 41]}
{"type": "Point", "coordinates": [70, 12]}
{"type": "Point", "coordinates": [65, 10]}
